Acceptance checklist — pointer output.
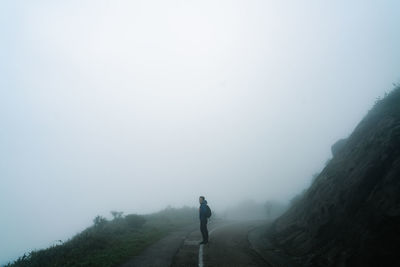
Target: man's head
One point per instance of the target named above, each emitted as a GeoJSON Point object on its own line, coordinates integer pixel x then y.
{"type": "Point", "coordinates": [201, 199]}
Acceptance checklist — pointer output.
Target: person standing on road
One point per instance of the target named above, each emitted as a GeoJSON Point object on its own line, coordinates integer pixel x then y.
{"type": "Point", "coordinates": [204, 214]}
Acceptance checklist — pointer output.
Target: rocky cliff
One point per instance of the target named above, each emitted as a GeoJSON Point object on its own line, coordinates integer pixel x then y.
{"type": "Point", "coordinates": [350, 215]}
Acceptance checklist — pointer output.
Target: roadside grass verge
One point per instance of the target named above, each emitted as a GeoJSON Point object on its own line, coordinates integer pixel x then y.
{"type": "Point", "coordinates": [110, 242]}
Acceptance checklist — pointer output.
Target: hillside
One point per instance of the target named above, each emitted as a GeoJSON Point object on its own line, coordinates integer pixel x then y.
{"type": "Point", "coordinates": [350, 215]}
{"type": "Point", "coordinates": [111, 242]}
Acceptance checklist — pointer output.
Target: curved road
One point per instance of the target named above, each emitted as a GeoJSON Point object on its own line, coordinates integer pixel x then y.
{"type": "Point", "coordinates": [229, 246]}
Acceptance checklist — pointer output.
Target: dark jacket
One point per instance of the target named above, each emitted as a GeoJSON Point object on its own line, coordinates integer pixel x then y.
{"type": "Point", "coordinates": [203, 211]}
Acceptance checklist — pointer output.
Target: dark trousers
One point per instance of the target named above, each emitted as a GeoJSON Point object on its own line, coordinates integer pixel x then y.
{"type": "Point", "coordinates": [204, 230]}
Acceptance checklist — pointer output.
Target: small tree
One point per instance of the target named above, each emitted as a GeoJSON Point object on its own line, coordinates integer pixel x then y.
{"type": "Point", "coordinates": [116, 214]}
{"type": "Point", "coordinates": [99, 221]}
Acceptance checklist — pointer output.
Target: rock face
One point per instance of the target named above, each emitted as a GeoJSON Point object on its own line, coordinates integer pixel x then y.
{"type": "Point", "coordinates": [338, 146]}
{"type": "Point", "coordinates": [350, 215]}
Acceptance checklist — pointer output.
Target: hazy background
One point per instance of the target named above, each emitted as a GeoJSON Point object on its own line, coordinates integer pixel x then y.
{"type": "Point", "coordinates": [136, 105]}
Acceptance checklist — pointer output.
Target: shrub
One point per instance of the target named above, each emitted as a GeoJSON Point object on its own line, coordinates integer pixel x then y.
{"type": "Point", "coordinates": [134, 220]}
{"type": "Point", "coordinates": [99, 221]}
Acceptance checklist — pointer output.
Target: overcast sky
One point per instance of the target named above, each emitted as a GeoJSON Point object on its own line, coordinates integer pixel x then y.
{"type": "Point", "coordinates": [136, 105]}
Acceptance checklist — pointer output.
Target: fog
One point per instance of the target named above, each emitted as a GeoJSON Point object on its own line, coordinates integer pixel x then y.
{"type": "Point", "coordinates": [136, 105]}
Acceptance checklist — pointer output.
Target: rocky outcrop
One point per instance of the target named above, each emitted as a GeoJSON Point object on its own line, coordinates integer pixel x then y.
{"type": "Point", "coordinates": [338, 146]}
{"type": "Point", "coordinates": [350, 215]}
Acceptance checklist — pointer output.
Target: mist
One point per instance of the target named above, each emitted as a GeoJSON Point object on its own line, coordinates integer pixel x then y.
{"type": "Point", "coordinates": [137, 105]}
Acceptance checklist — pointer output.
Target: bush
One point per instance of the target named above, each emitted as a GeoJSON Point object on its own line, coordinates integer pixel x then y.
{"type": "Point", "coordinates": [134, 220]}
{"type": "Point", "coordinates": [99, 221]}
{"type": "Point", "coordinates": [116, 214]}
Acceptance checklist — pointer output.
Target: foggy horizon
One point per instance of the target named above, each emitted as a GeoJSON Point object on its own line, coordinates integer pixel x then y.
{"type": "Point", "coordinates": [137, 105]}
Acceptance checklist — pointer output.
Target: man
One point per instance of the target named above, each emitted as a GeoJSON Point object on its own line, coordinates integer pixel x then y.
{"type": "Point", "coordinates": [204, 214]}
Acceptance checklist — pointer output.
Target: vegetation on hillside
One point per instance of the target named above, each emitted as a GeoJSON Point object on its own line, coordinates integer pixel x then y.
{"type": "Point", "coordinates": [110, 242]}
{"type": "Point", "coordinates": [389, 104]}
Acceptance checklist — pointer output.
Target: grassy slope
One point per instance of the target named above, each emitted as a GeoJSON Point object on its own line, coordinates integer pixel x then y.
{"type": "Point", "coordinates": [110, 243]}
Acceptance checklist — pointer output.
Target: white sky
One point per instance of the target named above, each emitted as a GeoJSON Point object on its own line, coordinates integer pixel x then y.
{"type": "Point", "coordinates": [134, 105]}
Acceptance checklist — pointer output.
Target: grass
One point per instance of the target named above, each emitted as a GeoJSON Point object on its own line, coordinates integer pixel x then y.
{"type": "Point", "coordinates": [110, 242]}
{"type": "Point", "coordinates": [389, 104]}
